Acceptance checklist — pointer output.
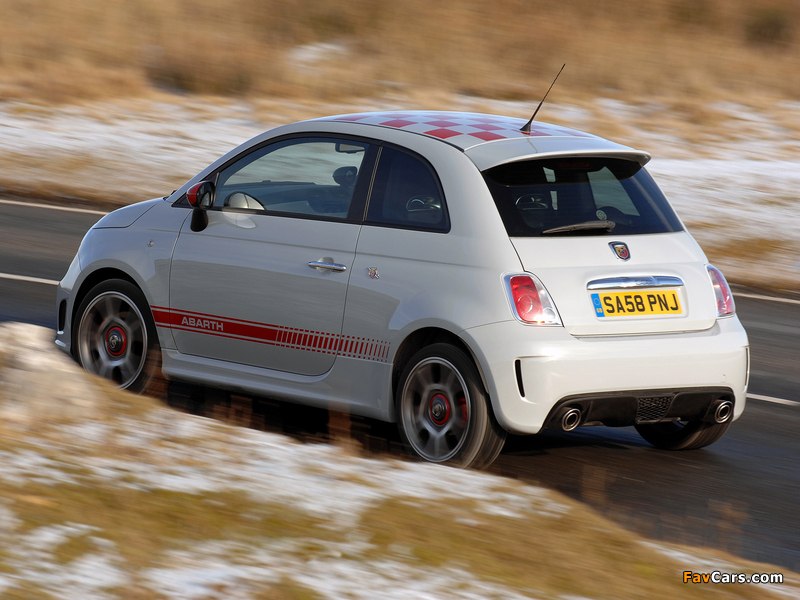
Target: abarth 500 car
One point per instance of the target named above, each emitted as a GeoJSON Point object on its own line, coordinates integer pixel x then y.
{"type": "Point", "coordinates": [447, 271]}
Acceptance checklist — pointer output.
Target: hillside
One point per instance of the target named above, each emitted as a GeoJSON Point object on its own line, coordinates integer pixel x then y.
{"type": "Point", "coordinates": [57, 51]}
{"type": "Point", "coordinates": [107, 495]}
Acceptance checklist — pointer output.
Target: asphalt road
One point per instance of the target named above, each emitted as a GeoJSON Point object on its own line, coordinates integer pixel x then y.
{"type": "Point", "coordinates": [740, 494]}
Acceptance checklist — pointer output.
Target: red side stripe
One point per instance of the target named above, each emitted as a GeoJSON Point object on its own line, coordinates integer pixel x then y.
{"type": "Point", "coordinates": [276, 335]}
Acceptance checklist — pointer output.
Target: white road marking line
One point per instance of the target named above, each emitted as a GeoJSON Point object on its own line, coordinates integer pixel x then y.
{"type": "Point", "coordinates": [100, 212]}
{"type": "Point", "coordinates": [774, 400]}
{"type": "Point", "coordinates": [54, 207]}
{"type": "Point", "coordinates": [28, 279]}
{"type": "Point", "coordinates": [760, 297]}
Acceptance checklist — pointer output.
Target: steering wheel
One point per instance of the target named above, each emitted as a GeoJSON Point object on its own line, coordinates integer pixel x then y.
{"type": "Point", "coordinates": [532, 202]}
{"type": "Point", "coordinates": [418, 203]}
{"type": "Point", "coordinates": [242, 200]}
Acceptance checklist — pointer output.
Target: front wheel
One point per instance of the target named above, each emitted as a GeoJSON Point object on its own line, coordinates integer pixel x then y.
{"type": "Point", "coordinates": [443, 412]}
{"type": "Point", "coordinates": [682, 435]}
{"type": "Point", "coordinates": [115, 337]}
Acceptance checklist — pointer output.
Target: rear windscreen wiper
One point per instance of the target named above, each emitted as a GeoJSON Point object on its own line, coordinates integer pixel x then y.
{"type": "Point", "coordinates": [584, 226]}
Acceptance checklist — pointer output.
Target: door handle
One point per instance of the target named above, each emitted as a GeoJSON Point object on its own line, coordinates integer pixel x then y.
{"type": "Point", "coordinates": [331, 266]}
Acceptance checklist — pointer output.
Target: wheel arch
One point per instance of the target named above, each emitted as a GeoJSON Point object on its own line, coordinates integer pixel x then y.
{"type": "Point", "coordinates": [421, 338]}
{"type": "Point", "coordinates": [147, 377]}
{"type": "Point", "coordinates": [91, 280]}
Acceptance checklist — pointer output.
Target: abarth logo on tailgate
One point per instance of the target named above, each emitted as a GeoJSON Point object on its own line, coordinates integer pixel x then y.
{"type": "Point", "coordinates": [202, 323]}
{"type": "Point", "coordinates": [621, 250]}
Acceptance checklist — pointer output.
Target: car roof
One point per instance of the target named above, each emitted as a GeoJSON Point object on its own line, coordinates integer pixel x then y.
{"type": "Point", "coordinates": [491, 140]}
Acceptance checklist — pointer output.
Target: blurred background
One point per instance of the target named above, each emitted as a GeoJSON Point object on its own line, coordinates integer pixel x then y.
{"type": "Point", "coordinates": [57, 51]}
{"type": "Point", "coordinates": [111, 102]}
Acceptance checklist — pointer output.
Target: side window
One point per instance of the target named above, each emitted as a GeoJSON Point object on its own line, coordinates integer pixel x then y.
{"type": "Point", "coordinates": [407, 193]}
{"type": "Point", "coordinates": [306, 176]}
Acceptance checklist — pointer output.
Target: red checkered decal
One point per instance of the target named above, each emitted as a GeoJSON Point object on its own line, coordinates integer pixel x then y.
{"type": "Point", "coordinates": [272, 335]}
{"type": "Point", "coordinates": [461, 129]}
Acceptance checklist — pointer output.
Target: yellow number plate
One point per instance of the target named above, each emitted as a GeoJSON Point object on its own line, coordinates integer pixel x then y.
{"type": "Point", "coordinates": [625, 304]}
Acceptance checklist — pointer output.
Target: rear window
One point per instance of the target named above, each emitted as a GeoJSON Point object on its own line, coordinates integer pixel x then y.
{"type": "Point", "coordinates": [579, 196]}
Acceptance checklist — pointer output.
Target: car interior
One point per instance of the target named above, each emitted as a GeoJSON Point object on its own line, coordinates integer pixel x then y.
{"type": "Point", "coordinates": [298, 197]}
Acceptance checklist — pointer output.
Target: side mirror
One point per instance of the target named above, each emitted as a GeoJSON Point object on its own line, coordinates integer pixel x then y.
{"type": "Point", "coordinates": [200, 197]}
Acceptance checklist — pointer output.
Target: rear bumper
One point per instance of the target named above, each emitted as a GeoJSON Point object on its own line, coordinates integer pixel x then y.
{"type": "Point", "coordinates": [620, 409]}
{"type": "Point", "coordinates": [555, 367]}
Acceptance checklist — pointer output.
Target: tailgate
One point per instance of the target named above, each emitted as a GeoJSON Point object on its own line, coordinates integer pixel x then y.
{"type": "Point", "coordinates": [662, 288]}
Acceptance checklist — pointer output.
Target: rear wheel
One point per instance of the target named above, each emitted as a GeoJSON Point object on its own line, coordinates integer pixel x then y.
{"type": "Point", "coordinates": [443, 412]}
{"type": "Point", "coordinates": [116, 338]}
{"type": "Point", "coordinates": [682, 435]}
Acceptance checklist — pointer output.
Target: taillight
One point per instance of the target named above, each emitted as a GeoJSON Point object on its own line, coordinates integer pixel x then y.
{"type": "Point", "coordinates": [722, 292]}
{"type": "Point", "coordinates": [530, 301]}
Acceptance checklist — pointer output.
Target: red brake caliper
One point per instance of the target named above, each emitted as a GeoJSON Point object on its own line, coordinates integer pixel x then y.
{"type": "Point", "coordinates": [462, 404]}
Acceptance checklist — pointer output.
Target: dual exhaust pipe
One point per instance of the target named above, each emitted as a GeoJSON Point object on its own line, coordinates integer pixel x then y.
{"type": "Point", "coordinates": [719, 412]}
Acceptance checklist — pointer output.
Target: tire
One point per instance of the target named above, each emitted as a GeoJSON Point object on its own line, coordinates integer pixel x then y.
{"type": "Point", "coordinates": [682, 435]}
{"type": "Point", "coordinates": [443, 412]}
{"type": "Point", "coordinates": [116, 338]}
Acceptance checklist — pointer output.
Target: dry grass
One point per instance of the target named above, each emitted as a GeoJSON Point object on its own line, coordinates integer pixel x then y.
{"type": "Point", "coordinates": [144, 524]}
{"type": "Point", "coordinates": [748, 251]}
{"type": "Point", "coordinates": [577, 555]}
{"type": "Point", "coordinates": [56, 51]}
{"type": "Point", "coordinates": [540, 545]}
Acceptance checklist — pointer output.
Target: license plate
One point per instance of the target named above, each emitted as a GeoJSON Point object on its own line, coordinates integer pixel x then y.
{"type": "Point", "coordinates": [625, 304]}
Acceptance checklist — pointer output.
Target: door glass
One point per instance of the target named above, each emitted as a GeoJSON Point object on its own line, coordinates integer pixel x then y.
{"type": "Point", "coordinates": [309, 176]}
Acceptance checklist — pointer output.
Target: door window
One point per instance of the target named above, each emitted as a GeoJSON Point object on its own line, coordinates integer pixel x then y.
{"type": "Point", "coordinates": [309, 176]}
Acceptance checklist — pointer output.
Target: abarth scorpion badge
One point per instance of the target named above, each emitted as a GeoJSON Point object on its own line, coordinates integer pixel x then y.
{"type": "Point", "coordinates": [621, 250]}
{"type": "Point", "coordinates": [373, 273]}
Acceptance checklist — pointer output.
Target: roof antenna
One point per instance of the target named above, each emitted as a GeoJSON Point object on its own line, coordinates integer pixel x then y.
{"type": "Point", "coordinates": [527, 127]}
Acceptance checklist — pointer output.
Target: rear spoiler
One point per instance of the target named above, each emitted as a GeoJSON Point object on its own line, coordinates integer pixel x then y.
{"type": "Point", "coordinates": [486, 156]}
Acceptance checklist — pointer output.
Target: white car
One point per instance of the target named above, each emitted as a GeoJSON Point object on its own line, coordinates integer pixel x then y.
{"type": "Point", "coordinates": [446, 271]}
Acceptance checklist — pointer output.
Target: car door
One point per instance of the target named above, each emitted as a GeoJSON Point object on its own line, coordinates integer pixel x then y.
{"type": "Point", "coordinates": [403, 251]}
{"type": "Point", "coordinates": [264, 283]}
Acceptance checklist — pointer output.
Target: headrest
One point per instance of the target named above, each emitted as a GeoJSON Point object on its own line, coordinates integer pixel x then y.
{"type": "Point", "coordinates": [345, 176]}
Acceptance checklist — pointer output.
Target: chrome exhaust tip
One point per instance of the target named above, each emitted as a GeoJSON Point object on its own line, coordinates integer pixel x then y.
{"type": "Point", "coordinates": [723, 412]}
{"type": "Point", "coordinates": [571, 419]}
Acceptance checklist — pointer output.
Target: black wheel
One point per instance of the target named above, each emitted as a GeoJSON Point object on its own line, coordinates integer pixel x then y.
{"type": "Point", "coordinates": [443, 412]}
{"type": "Point", "coordinates": [114, 336]}
{"type": "Point", "coordinates": [682, 435]}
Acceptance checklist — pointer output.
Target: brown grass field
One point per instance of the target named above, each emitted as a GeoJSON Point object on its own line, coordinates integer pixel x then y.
{"type": "Point", "coordinates": [54, 51]}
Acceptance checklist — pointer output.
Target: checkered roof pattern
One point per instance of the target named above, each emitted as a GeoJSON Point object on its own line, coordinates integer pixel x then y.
{"type": "Point", "coordinates": [460, 129]}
